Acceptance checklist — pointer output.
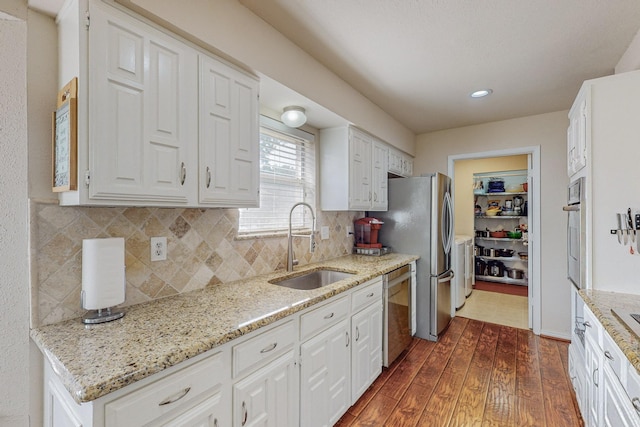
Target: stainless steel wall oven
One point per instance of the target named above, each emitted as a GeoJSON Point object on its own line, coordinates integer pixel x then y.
{"type": "Point", "coordinates": [576, 229]}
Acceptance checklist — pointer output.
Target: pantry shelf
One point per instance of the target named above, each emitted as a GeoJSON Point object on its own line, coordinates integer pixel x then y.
{"type": "Point", "coordinates": [521, 282]}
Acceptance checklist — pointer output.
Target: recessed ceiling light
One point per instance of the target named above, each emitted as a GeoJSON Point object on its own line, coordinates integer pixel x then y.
{"type": "Point", "coordinates": [481, 93]}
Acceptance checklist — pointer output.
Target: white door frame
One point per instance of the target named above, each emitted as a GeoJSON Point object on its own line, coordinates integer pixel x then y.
{"type": "Point", "coordinates": [534, 219]}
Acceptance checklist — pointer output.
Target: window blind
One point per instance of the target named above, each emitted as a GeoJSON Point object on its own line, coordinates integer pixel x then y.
{"type": "Point", "coordinates": [287, 176]}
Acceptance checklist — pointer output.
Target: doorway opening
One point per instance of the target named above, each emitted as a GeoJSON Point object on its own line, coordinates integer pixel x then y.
{"type": "Point", "coordinates": [525, 159]}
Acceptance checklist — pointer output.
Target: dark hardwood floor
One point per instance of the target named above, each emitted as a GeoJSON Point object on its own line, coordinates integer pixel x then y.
{"type": "Point", "coordinates": [477, 374]}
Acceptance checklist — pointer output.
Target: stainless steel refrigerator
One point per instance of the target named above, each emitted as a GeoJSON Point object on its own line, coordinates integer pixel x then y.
{"type": "Point", "coordinates": [420, 221]}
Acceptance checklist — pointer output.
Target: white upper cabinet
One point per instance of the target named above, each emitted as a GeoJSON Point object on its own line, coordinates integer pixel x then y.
{"type": "Point", "coordinates": [400, 164]}
{"type": "Point", "coordinates": [353, 170]}
{"type": "Point", "coordinates": [578, 134]}
{"type": "Point", "coordinates": [142, 133]}
{"type": "Point", "coordinates": [379, 179]}
{"type": "Point", "coordinates": [142, 94]}
{"type": "Point", "coordinates": [229, 136]}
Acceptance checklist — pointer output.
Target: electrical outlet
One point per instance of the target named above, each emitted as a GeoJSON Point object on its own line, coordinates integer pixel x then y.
{"type": "Point", "coordinates": [349, 230]}
{"type": "Point", "coordinates": [324, 232]}
{"type": "Point", "coordinates": [158, 248]}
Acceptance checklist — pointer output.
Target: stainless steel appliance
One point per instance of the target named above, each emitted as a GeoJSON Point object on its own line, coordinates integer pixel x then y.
{"type": "Point", "coordinates": [397, 313]}
{"type": "Point", "coordinates": [420, 221]}
{"type": "Point", "coordinates": [576, 229]}
{"type": "Point", "coordinates": [576, 257]}
{"type": "Point", "coordinates": [463, 270]}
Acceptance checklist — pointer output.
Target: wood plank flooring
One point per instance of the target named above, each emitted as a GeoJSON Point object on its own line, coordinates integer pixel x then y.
{"type": "Point", "coordinates": [477, 374]}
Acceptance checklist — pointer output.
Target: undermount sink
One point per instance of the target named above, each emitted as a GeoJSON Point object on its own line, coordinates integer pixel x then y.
{"type": "Point", "coordinates": [312, 280]}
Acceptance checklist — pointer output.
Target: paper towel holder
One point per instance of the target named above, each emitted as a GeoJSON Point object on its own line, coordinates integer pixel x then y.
{"type": "Point", "coordinates": [101, 315]}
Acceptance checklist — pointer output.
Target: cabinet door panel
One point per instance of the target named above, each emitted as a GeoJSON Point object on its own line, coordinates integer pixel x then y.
{"type": "Point", "coordinates": [142, 136]}
{"type": "Point", "coordinates": [229, 140]}
{"type": "Point", "coordinates": [325, 393]}
{"type": "Point", "coordinates": [359, 171]}
{"type": "Point", "coordinates": [366, 355]}
{"type": "Point", "coordinates": [265, 397]}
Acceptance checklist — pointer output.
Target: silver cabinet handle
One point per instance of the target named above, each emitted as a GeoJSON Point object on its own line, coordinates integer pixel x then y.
{"type": "Point", "coordinates": [171, 399]}
{"type": "Point", "coordinates": [369, 195]}
{"type": "Point", "coordinates": [357, 334]}
{"type": "Point", "coordinates": [587, 324]}
{"type": "Point", "coordinates": [636, 404]}
{"type": "Point", "coordinates": [608, 355]}
{"type": "Point", "coordinates": [370, 295]}
{"type": "Point", "coordinates": [208, 177]}
{"type": "Point", "coordinates": [375, 196]}
{"type": "Point", "coordinates": [347, 336]}
{"type": "Point", "coordinates": [215, 422]}
{"type": "Point", "coordinates": [593, 376]}
{"type": "Point", "coordinates": [269, 348]}
{"type": "Point", "coordinates": [183, 173]}
{"type": "Point", "coordinates": [245, 413]}
{"type": "Point", "coordinates": [329, 316]}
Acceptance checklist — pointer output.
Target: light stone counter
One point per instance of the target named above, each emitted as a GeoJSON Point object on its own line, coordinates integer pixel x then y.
{"type": "Point", "coordinates": [93, 361]}
{"type": "Point", "coordinates": [601, 303]}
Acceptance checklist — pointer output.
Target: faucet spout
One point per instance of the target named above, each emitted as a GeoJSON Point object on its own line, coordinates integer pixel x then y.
{"type": "Point", "coordinates": [312, 242]}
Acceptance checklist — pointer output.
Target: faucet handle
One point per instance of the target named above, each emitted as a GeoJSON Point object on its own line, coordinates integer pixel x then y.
{"type": "Point", "coordinates": [312, 243]}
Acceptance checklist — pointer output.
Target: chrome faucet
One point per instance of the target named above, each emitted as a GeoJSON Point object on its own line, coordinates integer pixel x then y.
{"type": "Point", "coordinates": [312, 242]}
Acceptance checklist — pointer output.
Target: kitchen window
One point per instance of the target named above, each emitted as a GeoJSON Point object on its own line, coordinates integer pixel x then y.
{"type": "Point", "coordinates": [287, 176]}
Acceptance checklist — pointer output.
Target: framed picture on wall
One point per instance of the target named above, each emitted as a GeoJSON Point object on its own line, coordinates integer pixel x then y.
{"type": "Point", "coordinates": [65, 139]}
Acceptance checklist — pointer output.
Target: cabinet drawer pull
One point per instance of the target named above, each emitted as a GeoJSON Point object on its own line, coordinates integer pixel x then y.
{"type": "Point", "coordinates": [594, 377]}
{"type": "Point", "coordinates": [608, 355]}
{"type": "Point", "coordinates": [171, 399]}
{"type": "Point", "coordinates": [183, 173]}
{"type": "Point", "coordinates": [245, 413]}
{"type": "Point", "coordinates": [636, 404]}
{"type": "Point", "coordinates": [587, 324]}
{"type": "Point", "coordinates": [208, 177]}
{"type": "Point", "coordinates": [215, 422]}
{"type": "Point", "coordinates": [347, 336]}
{"type": "Point", "coordinates": [357, 334]}
{"type": "Point", "coordinates": [269, 348]}
{"type": "Point", "coordinates": [370, 295]}
{"type": "Point", "coordinates": [329, 316]}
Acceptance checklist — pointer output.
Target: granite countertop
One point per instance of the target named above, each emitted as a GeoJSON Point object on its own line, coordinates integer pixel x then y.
{"type": "Point", "coordinates": [601, 303]}
{"type": "Point", "coordinates": [95, 360]}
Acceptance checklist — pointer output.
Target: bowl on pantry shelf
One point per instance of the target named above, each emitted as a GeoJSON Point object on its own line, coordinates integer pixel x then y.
{"type": "Point", "coordinates": [514, 273]}
{"type": "Point", "coordinates": [513, 188]}
{"type": "Point", "coordinates": [523, 255]}
{"type": "Point", "coordinates": [514, 234]}
{"type": "Point", "coordinates": [492, 212]}
{"type": "Point", "coordinates": [500, 234]}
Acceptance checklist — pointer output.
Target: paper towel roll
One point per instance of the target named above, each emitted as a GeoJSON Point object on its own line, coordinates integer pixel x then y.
{"type": "Point", "coordinates": [103, 280]}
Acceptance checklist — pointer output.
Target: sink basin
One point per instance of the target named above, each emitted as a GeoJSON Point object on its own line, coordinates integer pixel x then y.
{"type": "Point", "coordinates": [312, 280]}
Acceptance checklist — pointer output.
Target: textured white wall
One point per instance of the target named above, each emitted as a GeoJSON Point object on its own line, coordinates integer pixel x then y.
{"type": "Point", "coordinates": [234, 31]}
{"type": "Point", "coordinates": [14, 280]}
{"type": "Point", "coordinates": [630, 60]}
{"type": "Point", "coordinates": [550, 132]}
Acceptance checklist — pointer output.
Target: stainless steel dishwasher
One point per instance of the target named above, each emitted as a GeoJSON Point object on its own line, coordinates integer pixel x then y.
{"type": "Point", "coordinates": [398, 309]}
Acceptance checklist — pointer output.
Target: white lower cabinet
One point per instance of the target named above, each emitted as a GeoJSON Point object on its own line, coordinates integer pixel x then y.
{"type": "Point", "coordinates": [267, 397]}
{"type": "Point", "coordinates": [325, 376]}
{"type": "Point", "coordinates": [304, 370]}
{"type": "Point", "coordinates": [366, 355]}
{"type": "Point", "coordinates": [611, 385]}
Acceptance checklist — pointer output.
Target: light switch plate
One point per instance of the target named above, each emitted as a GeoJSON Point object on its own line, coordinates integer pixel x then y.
{"type": "Point", "coordinates": [349, 230]}
{"type": "Point", "coordinates": [324, 232]}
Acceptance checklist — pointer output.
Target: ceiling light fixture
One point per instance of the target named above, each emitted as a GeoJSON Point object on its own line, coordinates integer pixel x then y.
{"type": "Point", "coordinates": [293, 116]}
{"type": "Point", "coordinates": [481, 93]}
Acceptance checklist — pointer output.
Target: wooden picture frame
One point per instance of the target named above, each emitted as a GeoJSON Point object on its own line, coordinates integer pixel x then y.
{"type": "Point", "coordinates": [65, 139]}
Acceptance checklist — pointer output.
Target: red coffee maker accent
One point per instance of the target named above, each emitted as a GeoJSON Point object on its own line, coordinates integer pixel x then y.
{"type": "Point", "coordinates": [366, 232]}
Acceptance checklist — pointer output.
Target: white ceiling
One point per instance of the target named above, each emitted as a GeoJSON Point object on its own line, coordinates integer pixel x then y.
{"type": "Point", "coordinates": [419, 59]}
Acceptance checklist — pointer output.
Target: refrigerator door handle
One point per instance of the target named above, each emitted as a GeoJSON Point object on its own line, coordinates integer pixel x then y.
{"type": "Point", "coordinates": [447, 223]}
{"type": "Point", "coordinates": [445, 277]}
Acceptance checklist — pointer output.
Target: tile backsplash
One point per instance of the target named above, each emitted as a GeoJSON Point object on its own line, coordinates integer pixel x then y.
{"type": "Point", "coordinates": [202, 248]}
